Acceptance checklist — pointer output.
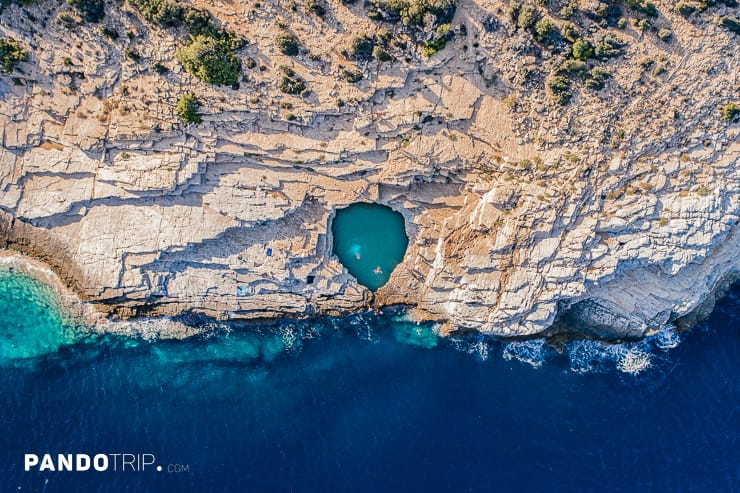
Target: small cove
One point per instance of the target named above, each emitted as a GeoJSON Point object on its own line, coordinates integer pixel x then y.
{"type": "Point", "coordinates": [370, 241]}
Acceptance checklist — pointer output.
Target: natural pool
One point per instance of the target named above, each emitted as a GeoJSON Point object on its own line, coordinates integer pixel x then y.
{"type": "Point", "coordinates": [370, 241]}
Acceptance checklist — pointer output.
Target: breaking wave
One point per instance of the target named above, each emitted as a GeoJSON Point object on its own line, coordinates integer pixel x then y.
{"type": "Point", "coordinates": [46, 331]}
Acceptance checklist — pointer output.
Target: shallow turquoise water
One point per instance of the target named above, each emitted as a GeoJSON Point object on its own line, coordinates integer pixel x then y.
{"type": "Point", "coordinates": [32, 322]}
{"type": "Point", "coordinates": [370, 241]}
{"type": "Point", "coordinates": [367, 403]}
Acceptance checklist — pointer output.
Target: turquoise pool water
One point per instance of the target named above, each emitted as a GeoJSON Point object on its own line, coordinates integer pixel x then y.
{"type": "Point", "coordinates": [370, 241]}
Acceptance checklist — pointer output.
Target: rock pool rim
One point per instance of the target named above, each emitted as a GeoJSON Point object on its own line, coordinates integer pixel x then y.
{"type": "Point", "coordinates": [391, 258]}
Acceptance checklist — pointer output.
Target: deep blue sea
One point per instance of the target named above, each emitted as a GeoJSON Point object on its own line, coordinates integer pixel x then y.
{"type": "Point", "coordinates": [367, 403]}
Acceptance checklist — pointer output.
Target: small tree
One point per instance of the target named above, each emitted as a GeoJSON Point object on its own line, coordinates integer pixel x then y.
{"type": "Point", "coordinates": [91, 10]}
{"type": "Point", "coordinates": [730, 111]}
{"type": "Point", "coordinates": [290, 82]}
{"type": "Point", "coordinates": [582, 50]}
{"type": "Point", "coordinates": [287, 44]}
{"type": "Point", "coordinates": [211, 61]}
{"type": "Point", "coordinates": [361, 48]}
{"type": "Point", "coordinates": [527, 17]}
{"type": "Point", "coordinates": [381, 55]}
{"type": "Point", "coordinates": [560, 89]}
{"type": "Point", "coordinates": [187, 109]}
{"type": "Point", "coordinates": [10, 54]}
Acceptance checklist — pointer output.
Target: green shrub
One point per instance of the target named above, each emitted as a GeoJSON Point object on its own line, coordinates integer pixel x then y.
{"type": "Point", "coordinates": [597, 78]}
{"type": "Point", "coordinates": [381, 55]}
{"type": "Point", "coordinates": [383, 35]}
{"type": "Point", "coordinates": [287, 44]}
{"type": "Point", "coordinates": [685, 8]}
{"type": "Point", "coordinates": [569, 31]}
{"type": "Point", "coordinates": [431, 47]}
{"type": "Point", "coordinates": [413, 12]}
{"type": "Point", "coordinates": [527, 17]}
{"type": "Point", "coordinates": [647, 8]}
{"type": "Point", "coordinates": [109, 33]}
{"type": "Point", "coordinates": [352, 75]}
{"type": "Point", "coordinates": [610, 46]}
{"type": "Point", "coordinates": [211, 61]}
{"type": "Point", "coordinates": [559, 87]}
{"type": "Point", "coordinates": [573, 68]}
{"type": "Point", "coordinates": [187, 109]}
{"type": "Point", "coordinates": [545, 29]}
{"type": "Point", "coordinates": [90, 10]}
{"type": "Point", "coordinates": [290, 82]}
{"type": "Point", "coordinates": [730, 111]}
{"type": "Point", "coordinates": [569, 10]}
{"type": "Point", "coordinates": [731, 23]}
{"type": "Point", "coordinates": [316, 8]}
{"type": "Point", "coordinates": [11, 53]}
{"type": "Point", "coordinates": [582, 50]}
{"type": "Point", "coordinates": [199, 23]}
{"type": "Point", "coordinates": [513, 10]}
{"type": "Point", "coordinates": [159, 68]}
{"type": "Point", "coordinates": [665, 35]}
{"type": "Point", "coordinates": [164, 13]}
{"type": "Point", "coordinates": [360, 48]}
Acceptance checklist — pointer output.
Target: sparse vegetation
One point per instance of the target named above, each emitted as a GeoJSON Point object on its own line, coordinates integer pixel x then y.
{"type": "Point", "coordinates": [290, 82]}
{"type": "Point", "coordinates": [560, 90]}
{"type": "Point", "coordinates": [416, 13]}
{"type": "Point", "coordinates": [317, 8]}
{"type": "Point", "coordinates": [665, 35]}
{"type": "Point", "coordinates": [109, 33]}
{"type": "Point", "coordinates": [573, 68]}
{"type": "Point", "coordinates": [685, 8]}
{"type": "Point", "coordinates": [609, 47]}
{"type": "Point", "coordinates": [360, 48]}
{"type": "Point", "coordinates": [11, 54]}
{"type": "Point", "coordinates": [431, 47]}
{"type": "Point", "coordinates": [159, 68]}
{"type": "Point", "coordinates": [731, 23]}
{"type": "Point", "coordinates": [381, 55]}
{"type": "Point", "coordinates": [730, 111]}
{"type": "Point", "coordinates": [545, 30]}
{"type": "Point", "coordinates": [597, 78]}
{"type": "Point", "coordinates": [352, 75]}
{"type": "Point", "coordinates": [90, 10]}
{"type": "Point", "coordinates": [187, 109]}
{"type": "Point", "coordinates": [287, 44]}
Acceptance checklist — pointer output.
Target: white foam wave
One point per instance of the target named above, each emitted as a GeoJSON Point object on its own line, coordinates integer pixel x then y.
{"type": "Point", "coordinates": [667, 338]}
{"type": "Point", "coordinates": [533, 352]}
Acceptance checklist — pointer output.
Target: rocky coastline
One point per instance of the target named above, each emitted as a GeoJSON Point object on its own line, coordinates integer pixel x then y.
{"type": "Point", "coordinates": [612, 215]}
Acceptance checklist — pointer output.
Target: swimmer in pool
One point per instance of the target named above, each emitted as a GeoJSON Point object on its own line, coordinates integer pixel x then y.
{"type": "Point", "coordinates": [356, 250]}
{"type": "Point", "coordinates": [378, 270]}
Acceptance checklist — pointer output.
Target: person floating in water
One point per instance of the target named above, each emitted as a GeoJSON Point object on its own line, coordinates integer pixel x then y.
{"type": "Point", "coordinates": [355, 249]}
{"type": "Point", "coordinates": [378, 270]}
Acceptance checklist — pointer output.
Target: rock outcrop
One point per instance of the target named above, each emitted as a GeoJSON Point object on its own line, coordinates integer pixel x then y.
{"type": "Point", "coordinates": [614, 214]}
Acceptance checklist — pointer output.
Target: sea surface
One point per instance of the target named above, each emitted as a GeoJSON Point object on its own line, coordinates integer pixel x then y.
{"type": "Point", "coordinates": [366, 403]}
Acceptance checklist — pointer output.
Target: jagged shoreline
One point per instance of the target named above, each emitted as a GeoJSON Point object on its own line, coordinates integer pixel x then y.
{"type": "Point", "coordinates": [184, 325]}
{"type": "Point", "coordinates": [617, 208]}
